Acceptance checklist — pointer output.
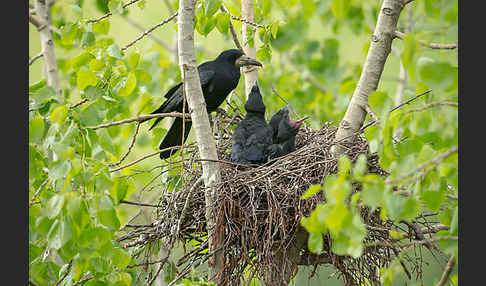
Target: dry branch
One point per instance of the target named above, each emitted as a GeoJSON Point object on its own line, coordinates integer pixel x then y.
{"type": "Point", "coordinates": [447, 271]}
{"type": "Point", "coordinates": [109, 13]}
{"type": "Point", "coordinates": [435, 46]}
{"type": "Point", "coordinates": [434, 104]}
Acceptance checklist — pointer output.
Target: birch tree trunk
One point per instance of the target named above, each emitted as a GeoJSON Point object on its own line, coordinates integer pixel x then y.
{"type": "Point", "coordinates": [200, 121]}
{"type": "Point", "coordinates": [43, 10]}
{"type": "Point", "coordinates": [251, 72]}
{"type": "Point", "coordinates": [378, 52]}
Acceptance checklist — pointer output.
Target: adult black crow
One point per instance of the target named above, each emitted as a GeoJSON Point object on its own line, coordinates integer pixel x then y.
{"type": "Point", "coordinates": [284, 131]}
{"type": "Point", "coordinates": [253, 135]}
{"type": "Point", "coordinates": [218, 78]}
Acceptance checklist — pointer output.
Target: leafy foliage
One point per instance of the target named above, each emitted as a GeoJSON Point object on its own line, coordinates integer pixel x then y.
{"type": "Point", "coordinates": [312, 53]}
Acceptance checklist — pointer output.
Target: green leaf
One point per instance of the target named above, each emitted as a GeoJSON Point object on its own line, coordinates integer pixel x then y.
{"type": "Point", "coordinates": [54, 206]}
{"type": "Point", "coordinates": [315, 242]}
{"type": "Point", "coordinates": [411, 209]}
{"type": "Point", "coordinates": [102, 27]}
{"type": "Point", "coordinates": [36, 129]}
{"type": "Point", "coordinates": [222, 22]}
{"type": "Point", "coordinates": [133, 59]}
{"type": "Point", "coordinates": [87, 39]}
{"type": "Point", "coordinates": [120, 258]}
{"type": "Point", "coordinates": [115, 6]}
{"type": "Point", "coordinates": [96, 65]}
{"type": "Point", "coordinates": [86, 78]}
{"type": "Point", "coordinates": [59, 114]}
{"type": "Point", "coordinates": [81, 60]}
{"type": "Point", "coordinates": [130, 84]}
{"type": "Point", "coordinates": [373, 194]}
{"type": "Point", "coordinates": [311, 191]}
{"type": "Point", "coordinates": [426, 154]}
{"type": "Point", "coordinates": [211, 6]}
{"type": "Point", "coordinates": [114, 51]}
{"type": "Point", "coordinates": [360, 166]}
{"type": "Point", "coordinates": [340, 7]}
{"type": "Point", "coordinates": [37, 85]}
{"type": "Point", "coordinates": [395, 205]}
{"type": "Point", "coordinates": [338, 214]}
{"type": "Point", "coordinates": [454, 223]}
{"type": "Point", "coordinates": [437, 75]}
{"type": "Point", "coordinates": [143, 76]}
{"type": "Point", "coordinates": [59, 170]}
{"type": "Point", "coordinates": [107, 214]}
{"type": "Point", "coordinates": [264, 53]}
{"type": "Point", "coordinates": [92, 115]}
{"type": "Point", "coordinates": [59, 234]}
{"type": "Point", "coordinates": [432, 199]}
{"type": "Point", "coordinates": [344, 165]}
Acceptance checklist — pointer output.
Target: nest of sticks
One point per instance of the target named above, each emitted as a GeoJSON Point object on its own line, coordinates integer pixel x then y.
{"type": "Point", "coordinates": [258, 214]}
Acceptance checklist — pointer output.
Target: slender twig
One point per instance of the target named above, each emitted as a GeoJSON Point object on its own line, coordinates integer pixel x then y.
{"type": "Point", "coordinates": [434, 46]}
{"type": "Point", "coordinates": [410, 100]}
{"type": "Point", "coordinates": [434, 104]}
{"type": "Point", "coordinates": [232, 30]}
{"type": "Point", "coordinates": [139, 204]}
{"type": "Point", "coordinates": [154, 38]}
{"type": "Point", "coordinates": [130, 147]}
{"type": "Point", "coordinates": [34, 58]}
{"type": "Point", "coordinates": [143, 158]}
{"type": "Point", "coordinates": [246, 21]}
{"type": "Point", "coordinates": [66, 273]}
{"type": "Point", "coordinates": [140, 118]}
{"type": "Point", "coordinates": [78, 104]}
{"type": "Point", "coordinates": [434, 161]}
{"type": "Point", "coordinates": [38, 191]}
{"type": "Point", "coordinates": [83, 280]}
{"type": "Point", "coordinates": [109, 13]}
{"type": "Point", "coordinates": [286, 102]}
{"type": "Point", "coordinates": [411, 243]}
{"type": "Point", "coordinates": [150, 30]}
{"type": "Point", "coordinates": [447, 271]}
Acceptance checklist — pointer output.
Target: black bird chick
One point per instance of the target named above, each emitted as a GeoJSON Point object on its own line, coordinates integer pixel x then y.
{"type": "Point", "coordinates": [283, 133]}
{"type": "Point", "coordinates": [218, 78]}
{"type": "Point", "coordinates": [253, 135]}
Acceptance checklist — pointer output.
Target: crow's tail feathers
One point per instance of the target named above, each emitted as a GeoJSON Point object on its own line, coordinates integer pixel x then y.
{"type": "Point", "coordinates": [173, 136]}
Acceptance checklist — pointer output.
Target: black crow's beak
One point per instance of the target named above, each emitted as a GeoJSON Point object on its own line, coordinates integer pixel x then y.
{"type": "Point", "coordinates": [247, 61]}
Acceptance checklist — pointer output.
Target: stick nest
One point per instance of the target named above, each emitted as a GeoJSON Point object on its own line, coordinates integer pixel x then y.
{"type": "Point", "coordinates": [259, 210]}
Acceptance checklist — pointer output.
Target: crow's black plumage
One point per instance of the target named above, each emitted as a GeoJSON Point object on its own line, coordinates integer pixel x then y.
{"type": "Point", "coordinates": [253, 135]}
{"type": "Point", "coordinates": [218, 78]}
{"type": "Point", "coordinates": [284, 130]}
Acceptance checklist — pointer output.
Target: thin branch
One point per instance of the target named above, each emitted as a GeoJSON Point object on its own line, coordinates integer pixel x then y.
{"type": "Point", "coordinates": [246, 21]}
{"type": "Point", "coordinates": [109, 14]}
{"type": "Point", "coordinates": [83, 280]}
{"type": "Point", "coordinates": [434, 104]}
{"type": "Point", "coordinates": [130, 147]}
{"type": "Point", "coordinates": [447, 271]}
{"type": "Point", "coordinates": [434, 46]}
{"type": "Point", "coordinates": [434, 161]}
{"type": "Point", "coordinates": [38, 191]}
{"type": "Point", "coordinates": [411, 243]}
{"type": "Point", "coordinates": [154, 38]}
{"type": "Point", "coordinates": [143, 158]}
{"type": "Point", "coordinates": [140, 118]}
{"type": "Point", "coordinates": [150, 30]}
{"type": "Point", "coordinates": [139, 204]}
{"type": "Point", "coordinates": [410, 100]}
{"type": "Point", "coordinates": [34, 58]}
{"type": "Point", "coordinates": [232, 30]}
{"type": "Point", "coordinates": [66, 273]}
{"type": "Point", "coordinates": [78, 104]}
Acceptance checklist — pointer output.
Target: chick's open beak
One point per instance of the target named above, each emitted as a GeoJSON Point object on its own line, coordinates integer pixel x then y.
{"type": "Point", "coordinates": [299, 122]}
{"type": "Point", "coordinates": [247, 61]}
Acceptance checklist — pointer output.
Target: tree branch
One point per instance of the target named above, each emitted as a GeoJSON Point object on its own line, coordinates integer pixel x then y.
{"type": "Point", "coordinates": [150, 30]}
{"type": "Point", "coordinates": [434, 161]}
{"type": "Point", "coordinates": [447, 271]}
{"type": "Point", "coordinates": [434, 46]}
{"type": "Point", "coordinates": [154, 38]}
{"type": "Point", "coordinates": [109, 14]}
{"type": "Point", "coordinates": [66, 273]}
{"type": "Point", "coordinates": [232, 30]}
{"type": "Point", "coordinates": [140, 118]}
{"type": "Point", "coordinates": [34, 58]}
{"type": "Point", "coordinates": [434, 104]}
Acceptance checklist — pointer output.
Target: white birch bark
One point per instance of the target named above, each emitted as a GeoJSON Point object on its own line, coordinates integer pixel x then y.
{"type": "Point", "coordinates": [200, 122]}
{"type": "Point", "coordinates": [251, 72]}
{"type": "Point", "coordinates": [378, 52]}
{"type": "Point", "coordinates": [43, 10]}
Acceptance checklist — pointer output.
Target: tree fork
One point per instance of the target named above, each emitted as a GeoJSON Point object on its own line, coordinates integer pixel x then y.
{"type": "Point", "coordinates": [378, 52]}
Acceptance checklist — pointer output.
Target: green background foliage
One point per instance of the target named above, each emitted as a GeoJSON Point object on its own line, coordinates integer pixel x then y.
{"type": "Point", "coordinates": [313, 53]}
